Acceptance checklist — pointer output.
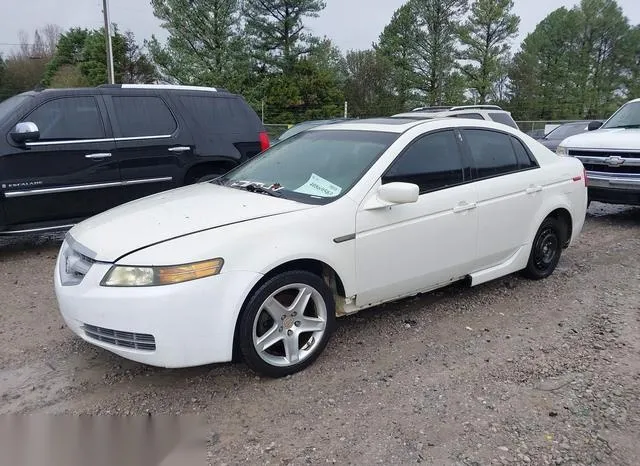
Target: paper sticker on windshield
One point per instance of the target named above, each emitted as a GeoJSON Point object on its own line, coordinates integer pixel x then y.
{"type": "Point", "coordinates": [318, 186]}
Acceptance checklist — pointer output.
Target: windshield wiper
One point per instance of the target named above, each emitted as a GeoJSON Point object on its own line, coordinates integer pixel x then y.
{"type": "Point", "coordinates": [624, 126]}
{"type": "Point", "coordinates": [258, 188]}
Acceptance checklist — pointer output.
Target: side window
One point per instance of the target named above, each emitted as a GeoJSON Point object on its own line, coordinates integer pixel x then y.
{"type": "Point", "coordinates": [524, 160]}
{"type": "Point", "coordinates": [504, 118]}
{"type": "Point", "coordinates": [492, 152]}
{"type": "Point", "coordinates": [472, 116]}
{"type": "Point", "coordinates": [432, 162]}
{"type": "Point", "coordinates": [140, 116]}
{"type": "Point", "coordinates": [68, 118]}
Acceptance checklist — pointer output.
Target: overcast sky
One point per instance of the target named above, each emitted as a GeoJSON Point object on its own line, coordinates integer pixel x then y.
{"type": "Point", "coordinates": [351, 24]}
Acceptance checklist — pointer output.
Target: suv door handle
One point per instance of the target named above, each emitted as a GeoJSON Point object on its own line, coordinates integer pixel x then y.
{"type": "Point", "coordinates": [101, 155]}
{"type": "Point", "coordinates": [533, 189]}
{"type": "Point", "coordinates": [464, 206]}
{"type": "Point", "coordinates": [179, 149]}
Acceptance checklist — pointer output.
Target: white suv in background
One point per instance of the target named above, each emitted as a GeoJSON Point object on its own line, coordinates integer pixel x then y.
{"type": "Point", "coordinates": [610, 153]}
{"type": "Point", "coordinates": [475, 112]}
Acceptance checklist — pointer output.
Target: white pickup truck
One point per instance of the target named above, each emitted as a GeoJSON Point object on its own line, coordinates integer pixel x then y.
{"type": "Point", "coordinates": [610, 153]}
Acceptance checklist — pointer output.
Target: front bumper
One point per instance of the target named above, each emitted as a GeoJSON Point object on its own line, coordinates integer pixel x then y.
{"type": "Point", "coordinates": [191, 323]}
{"type": "Point", "coordinates": [614, 188]}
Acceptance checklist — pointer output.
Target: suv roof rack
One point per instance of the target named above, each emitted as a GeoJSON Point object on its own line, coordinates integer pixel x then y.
{"type": "Point", "coordinates": [163, 86]}
{"type": "Point", "coordinates": [451, 108]}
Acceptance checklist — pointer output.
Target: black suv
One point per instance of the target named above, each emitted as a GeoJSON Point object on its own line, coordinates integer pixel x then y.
{"type": "Point", "coordinates": [67, 154]}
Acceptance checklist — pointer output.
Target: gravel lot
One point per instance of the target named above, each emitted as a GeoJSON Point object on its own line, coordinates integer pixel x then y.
{"type": "Point", "coordinates": [512, 372]}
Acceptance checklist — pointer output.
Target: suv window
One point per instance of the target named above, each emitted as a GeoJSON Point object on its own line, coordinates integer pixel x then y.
{"type": "Point", "coordinates": [140, 116]}
{"type": "Point", "coordinates": [492, 152]}
{"type": "Point", "coordinates": [504, 118]}
{"type": "Point", "coordinates": [432, 162]}
{"type": "Point", "coordinates": [220, 113]}
{"type": "Point", "coordinates": [472, 116]}
{"type": "Point", "coordinates": [68, 118]}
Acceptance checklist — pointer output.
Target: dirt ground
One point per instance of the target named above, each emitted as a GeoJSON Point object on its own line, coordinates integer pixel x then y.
{"type": "Point", "coordinates": [511, 372]}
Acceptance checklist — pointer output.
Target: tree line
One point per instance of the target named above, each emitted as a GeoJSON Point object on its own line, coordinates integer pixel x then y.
{"type": "Point", "coordinates": [577, 63]}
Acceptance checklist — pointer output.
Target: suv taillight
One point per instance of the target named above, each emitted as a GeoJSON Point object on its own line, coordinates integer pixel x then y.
{"type": "Point", "coordinates": [264, 141]}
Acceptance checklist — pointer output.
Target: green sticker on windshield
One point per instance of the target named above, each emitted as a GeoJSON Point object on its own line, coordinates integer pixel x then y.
{"type": "Point", "coordinates": [318, 186]}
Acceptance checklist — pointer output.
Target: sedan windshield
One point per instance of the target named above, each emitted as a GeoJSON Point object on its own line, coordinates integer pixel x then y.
{"type": "Point", "coordinates": [315, 166]}
{"type": "Point", "coordinates": [628, 116]}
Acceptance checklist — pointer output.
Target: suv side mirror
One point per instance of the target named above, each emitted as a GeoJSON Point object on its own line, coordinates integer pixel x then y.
{"type": "Point", "coordinates": [25, 131]}
{"type": "Point", "coordinates": [399, 193]}
{"type": "Point", "coordinates": [594, 125]}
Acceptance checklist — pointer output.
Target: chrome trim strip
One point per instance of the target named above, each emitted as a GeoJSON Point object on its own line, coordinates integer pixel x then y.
{"type": "Point", "coordinates": [35, 230]}
{"type": "Point", "coordinates": [101, 155]}
{"type": "Point", "coordinates": [142, 138]}
{"type": "Point", "coordinates": [87, 141]}
{"type": "Point", "coordinates": [83, 187]}
{"type": "Point", "coordinates": [605, 180]}
{"type": "Point", "coordinates": [75, 141]}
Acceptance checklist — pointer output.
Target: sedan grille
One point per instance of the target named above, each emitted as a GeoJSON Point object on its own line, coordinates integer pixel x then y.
{"type": "Point", "coordinates": [138, 341]}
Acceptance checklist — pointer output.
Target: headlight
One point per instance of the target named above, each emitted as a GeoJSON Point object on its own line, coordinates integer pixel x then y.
{"type": "Point", "coordinates": [562, 150]}
{"type": "Point", "coordinates": [124, 276]}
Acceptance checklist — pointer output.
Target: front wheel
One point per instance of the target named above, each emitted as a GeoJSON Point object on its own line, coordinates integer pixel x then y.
{"type": "Point", "coordinates": [545, 251]}
{"type": "Point", "coordinates": [286, 323]}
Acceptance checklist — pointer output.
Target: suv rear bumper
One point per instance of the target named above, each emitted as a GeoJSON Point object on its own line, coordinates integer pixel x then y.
{"type": "Point", "coordinates": [614, 188]}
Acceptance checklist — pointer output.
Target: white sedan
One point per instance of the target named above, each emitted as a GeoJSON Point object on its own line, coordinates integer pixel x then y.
{"type": "Point", "coordinates": [260, 262]}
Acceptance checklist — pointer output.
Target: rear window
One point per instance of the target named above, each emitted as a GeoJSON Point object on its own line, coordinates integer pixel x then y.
{"type": "Point", "coordinates": [224, 114]}
{"type": "Point", "coordinates": [504, 118]}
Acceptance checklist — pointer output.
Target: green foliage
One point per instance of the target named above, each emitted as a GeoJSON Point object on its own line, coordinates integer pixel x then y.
{"type": "Point", "coordinates": [204, 45]}
{"type": "Point", "coordinates": [438, 23]}
{"type": "Point", "coordinates": [397, 53]}
{"type": "Point", "coordinates": [577, 63]}
{"type": "Point", "coordinates": [370, 87]}
{"type": "Point", "coordinates": [81, 58]}
{"type": "Point", "coordinates": [484, 37]}
{"type": "Point", "coordinates": [277, 30]}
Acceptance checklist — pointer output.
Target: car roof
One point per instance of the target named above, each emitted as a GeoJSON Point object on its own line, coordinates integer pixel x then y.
{"type": "Point", "coordinates": [401, 125]}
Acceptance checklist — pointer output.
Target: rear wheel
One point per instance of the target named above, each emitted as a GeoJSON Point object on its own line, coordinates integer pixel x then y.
{"type": "Point", "coordinates": [546, 250]}
{"type": "Point", "coordinates": [286, 324]}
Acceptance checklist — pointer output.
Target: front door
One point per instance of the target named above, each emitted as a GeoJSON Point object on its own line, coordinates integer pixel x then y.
{"type": "Point", "coordinates": [151, 145]}
{"type": "Point", "coordinates": [70, 173]}
{"type": "Point", "coordinates": [408, 248]}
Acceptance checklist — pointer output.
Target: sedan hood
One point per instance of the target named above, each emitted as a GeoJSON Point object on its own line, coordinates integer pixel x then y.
{"type": "Point", "coordinates": [117, 232]}
{"type": "Point", "coordinates": [617, 138]}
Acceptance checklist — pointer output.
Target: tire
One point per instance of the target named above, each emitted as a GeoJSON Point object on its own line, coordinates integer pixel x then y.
{"type": "Point", "coordinates": [271, 335]}
{"type": "Point", "coordinates": [546, 250]}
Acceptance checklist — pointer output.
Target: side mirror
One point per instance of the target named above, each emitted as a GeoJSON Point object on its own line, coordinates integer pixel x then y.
{"type": "Point", "coordinates": [25, 131]}
{"type": "Point", "coordinates": [594, 125]}
{"type": "Point", "coordinates": [399, 193]}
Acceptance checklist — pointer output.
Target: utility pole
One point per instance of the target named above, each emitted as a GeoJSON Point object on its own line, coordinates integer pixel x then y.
{"type": "Point", "coordinates": [107, 35]}
{"type": "Point", "coordinates": [346, 109]}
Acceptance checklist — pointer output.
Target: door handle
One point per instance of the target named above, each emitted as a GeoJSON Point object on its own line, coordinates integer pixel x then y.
{"type": "Point", "coordinates": [101, 155]}
{"type": "Point", "coordinates": [464, 206]}
{"type": "Point", "coordinates": [533, 189]}
{"type": "Point", "coordinates": [179, 149]}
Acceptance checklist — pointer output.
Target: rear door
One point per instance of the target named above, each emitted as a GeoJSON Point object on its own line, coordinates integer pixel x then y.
{"type": "Point", "coordinates": [508, 190]}
{"type": "Point", "coordinates": [70, 172]}
{"type": "Point", "coordinates": [151, 144]}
